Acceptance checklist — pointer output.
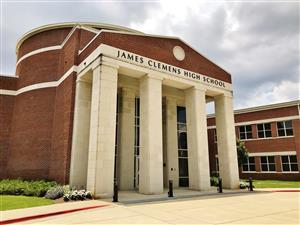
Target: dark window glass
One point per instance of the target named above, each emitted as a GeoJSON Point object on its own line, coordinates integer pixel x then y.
{"type": "Point", "coordinates": [248, 128]}
{"type": "Point", "coordinates": [261, 134]}
{"type": "Point", "coordinates": [268, 133]}
{"type": "Point", "coordinates": [288, 124]}
{"type": "Point", "coordinates": [263, 159]}
{"type": "Point", "coordinates": [242, 129]}
{"type": "Point", "coordinates": [285, 159]}
{"type": "Point", "coordinates": [293, 159]}
{"type": "Point", "coordinates": [183, 182]}
{"type": "Point", "coordinates": [181, 117]}
{"type": "Point", "coordinates": [252, 167]}
{"type": "Point", "coordinates": [289, 132]}
{"type": "Point", "coordinates": [271, 159]}
{"type": "Point", "coordinates": [267, 126]}
{"type": "Point", "coordinates": [285, 167]}
{"type": "Point", "coordinates": [280, 125]}
{"type": "Point", "coordinates": [281, 133]}
{"type": "Point", "coordinates": [249, 135]}
{"type": "Point", "coordinates": [182, 140]}
{"type": "Point", "coordinates": [271, 167]}
{"type": "Point", "coordinates": [245, 167]}
{"type": "Point", "coordinates": [260, 127]}
{"type": "Point", "coordinates": [183, 167]}
{"type": "Point", "coordinates": [251, 160]}
{"type": "Point", "coordinates": [294, 167]}
{"type": "Point", "coordinates": [242, 136]}
{"type": "Point", "coordinates": [264, 167]}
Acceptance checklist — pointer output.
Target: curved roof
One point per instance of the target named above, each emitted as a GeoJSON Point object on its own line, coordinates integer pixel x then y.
{"type": "Point", "coordinates": [72, 24]}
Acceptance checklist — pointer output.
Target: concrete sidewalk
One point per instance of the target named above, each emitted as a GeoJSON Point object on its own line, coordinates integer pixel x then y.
{"type": "Point", "coordinates": [254, 208]}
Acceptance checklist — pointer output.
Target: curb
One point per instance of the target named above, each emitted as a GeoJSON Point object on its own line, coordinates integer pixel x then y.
{"type": "Point", "coordinates": [39, 216]}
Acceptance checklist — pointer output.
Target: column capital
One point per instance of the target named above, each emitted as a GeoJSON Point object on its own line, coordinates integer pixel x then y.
{"type": "Point", "coordinates": [197, 87]}
{"type": "Point", "coordinates": [225, 94]}
{"type": "Point", "coordinates": [82, 79]}
{"type": "Point", "coordinates": [153, 76]}
{"type": "Point", "coordinates": [100, 62]}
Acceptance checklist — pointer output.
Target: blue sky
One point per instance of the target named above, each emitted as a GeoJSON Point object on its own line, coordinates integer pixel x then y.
{"type": "Point", "coordinates": [256, 41]}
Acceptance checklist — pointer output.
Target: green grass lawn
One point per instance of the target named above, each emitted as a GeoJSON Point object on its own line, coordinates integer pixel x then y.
{"type": "Point", "coordinates": [276, 184]}
{"type": "Point", "coordinates": [8, 202]}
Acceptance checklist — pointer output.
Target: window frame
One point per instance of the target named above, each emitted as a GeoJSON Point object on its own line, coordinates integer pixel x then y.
{"type": "Point", "coordinates": [284, 128]}
{"type": "Point", "coordinates": [289, 164]}
{"type": "Point", "coordinates": [248, 165]}
{"type": "Point", "coordinates": [268, 164]}
{"type": "Point", "coordinates": [264, 130]}
{"type": "Point", "coordinates": [245, 132]}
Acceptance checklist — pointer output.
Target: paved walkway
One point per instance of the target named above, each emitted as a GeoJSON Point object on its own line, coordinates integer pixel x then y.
{"type": "Point", "coordinates": [244, 208]}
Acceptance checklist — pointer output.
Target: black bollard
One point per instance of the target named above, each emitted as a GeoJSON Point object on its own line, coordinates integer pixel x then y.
{"type": "Point", "coordinates": [250, 184]}
{"type": "Point", "coordinates": [170, 193]}
{"type": "Point", "coordinates": [220, 188]}
{"type": "Point", "coordinates": [115, 197]}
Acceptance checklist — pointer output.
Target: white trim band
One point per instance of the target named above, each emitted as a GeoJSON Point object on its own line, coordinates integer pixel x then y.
{"type": "Point", "coordinates": [39, 85]}
{"type": "Point", "coordinates": [273, 153]}
{"type": "Point", "coordinates": [261, 121]}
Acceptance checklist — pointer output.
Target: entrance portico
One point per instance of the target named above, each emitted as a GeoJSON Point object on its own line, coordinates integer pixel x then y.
{"type": "Point", "coordinates": [132, 109]}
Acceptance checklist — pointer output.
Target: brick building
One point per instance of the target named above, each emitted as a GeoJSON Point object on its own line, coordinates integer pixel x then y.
{"type": "Point", "coordinates": [272, 136]}
{"type": "Point", "coordinates": [91, 103]}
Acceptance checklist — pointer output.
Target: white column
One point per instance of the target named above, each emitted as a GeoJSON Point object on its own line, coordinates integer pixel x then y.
{"type": "Point", "coordinates": [126, 143]}
{"type": "Point", "coordinates": [227, 152]}
{"type": "Point", "coordinates": [102, 131]}
{"type": "Point", "coordinates": [81, 130]}
{"type": "Point", "coordinates": [198, 158]}
{"type": "Point", "coordinates": [151, 163]}
{"type": "Point", "coordinates": [171, 141]}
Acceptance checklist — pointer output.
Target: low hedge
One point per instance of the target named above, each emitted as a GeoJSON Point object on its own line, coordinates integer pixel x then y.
{"type": "Point", "coordinates": [25, 187]}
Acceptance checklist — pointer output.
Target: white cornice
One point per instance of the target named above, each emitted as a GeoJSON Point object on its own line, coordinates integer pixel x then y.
{"type": "Point", "coordinates": [263, 107]}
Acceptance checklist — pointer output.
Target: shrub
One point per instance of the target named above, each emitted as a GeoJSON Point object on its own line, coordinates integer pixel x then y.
{"type": "Point", "coordinates": [25, 187]}
{"type": "Point", "coordinates": [214, 181]}
{"type": "Point", "coordinates": [76, 195]}
{"type": "Point", "coordinates": [55, 193]}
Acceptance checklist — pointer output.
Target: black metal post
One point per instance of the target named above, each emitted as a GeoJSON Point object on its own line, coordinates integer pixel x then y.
{"type": "Point", "coordinates": [220, 188]}
{"type": "Point", "coordinates": [250, 184]}
{"type": "Point", "coordinates": [170, 193]}
{"type": "Point", "coordinates": [115, 197]}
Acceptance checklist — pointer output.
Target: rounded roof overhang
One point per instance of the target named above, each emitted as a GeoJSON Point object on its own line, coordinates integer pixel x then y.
{"type": "Point", "coordinates": [73, 24]}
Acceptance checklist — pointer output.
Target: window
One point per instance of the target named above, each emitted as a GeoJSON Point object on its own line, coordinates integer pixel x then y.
{"type": "Point", "coordinates": [289, 163]}
{"type": "Point", "coordinates": [215, 136]}
{"type": "Point", "coordinates": [267, 163]}
{"type": "Point", "coordinates": [285, 128]}
{"type": "Point", "coordinates": [245, 132]}
{"type": "Point", "coordinates": [136, 142]}
{"type": "Point", "coordinates": [217, 164]}
{"type": "Point", "coordinates": [264, 130]}
{"type": "Point", "coordinates": [182, 147]}
{"type": "Point", "coordinates": [249, 165]}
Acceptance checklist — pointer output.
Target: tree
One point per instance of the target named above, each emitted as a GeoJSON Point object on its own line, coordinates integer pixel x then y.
{"type": "Point", "coordinates": [242, 152]}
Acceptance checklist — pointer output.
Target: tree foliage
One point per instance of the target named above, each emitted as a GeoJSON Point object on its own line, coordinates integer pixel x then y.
{"type": "Point", "coordinates": [242, 152]}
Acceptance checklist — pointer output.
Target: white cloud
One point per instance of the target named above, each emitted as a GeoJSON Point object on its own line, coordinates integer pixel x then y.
{"type": "Point", "coordinates": [258, 43]}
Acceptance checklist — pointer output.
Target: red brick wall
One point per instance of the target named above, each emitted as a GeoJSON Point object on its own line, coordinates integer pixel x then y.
{"type": "Point", "coordinates": [62, 131]}
{"type": "Point", "coordinates": [160, 49]}
{"type": "Point", "coordinates": [43, 39]}
{"type": "Point", "coordinates": [6, 111]}
{"type": "Point", "coordinates": [8, 83]}
{"type": "Point", "coordinates": [31, 134]}
{"type": "Point", "coordinates": [256, 145]}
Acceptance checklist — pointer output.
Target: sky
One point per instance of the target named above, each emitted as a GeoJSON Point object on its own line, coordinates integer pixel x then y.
{"type": "Point", "coordinates": [257, 42]}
